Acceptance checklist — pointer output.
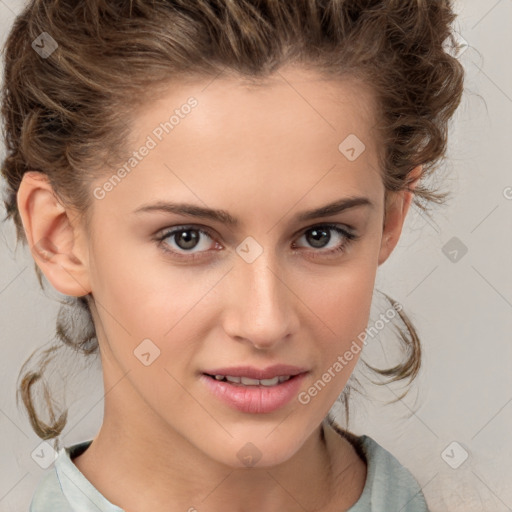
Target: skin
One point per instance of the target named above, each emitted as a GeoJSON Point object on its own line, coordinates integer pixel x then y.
{"type": "Point", "coordinates": [263, 154]}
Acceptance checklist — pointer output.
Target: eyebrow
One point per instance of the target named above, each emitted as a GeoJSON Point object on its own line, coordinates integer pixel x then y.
{"type": "Point", "coordinates": [225, 217]}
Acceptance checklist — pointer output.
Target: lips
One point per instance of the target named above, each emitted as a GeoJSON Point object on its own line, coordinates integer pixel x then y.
{"type": "Point", "coordinates": [254, 399]}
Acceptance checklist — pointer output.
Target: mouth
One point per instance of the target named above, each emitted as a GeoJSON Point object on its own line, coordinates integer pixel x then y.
{"type": "Point", "coordinates": [247, 381]}
{"type": "Point", "coordinates": [273, 390]}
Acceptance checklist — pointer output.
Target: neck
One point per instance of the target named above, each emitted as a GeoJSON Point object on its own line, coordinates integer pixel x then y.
{"type": "Point", "coordinates": [116, 464]}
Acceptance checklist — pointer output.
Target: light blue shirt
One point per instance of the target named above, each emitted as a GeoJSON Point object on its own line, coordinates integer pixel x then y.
{"type": "Point", "coordinates": [389, 486]}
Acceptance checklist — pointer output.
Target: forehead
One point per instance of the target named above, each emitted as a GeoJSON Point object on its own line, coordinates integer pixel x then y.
{"type": "Point", "coordinates": [241, 138]}
{"type": "Point", "coordinates": [286, 106]}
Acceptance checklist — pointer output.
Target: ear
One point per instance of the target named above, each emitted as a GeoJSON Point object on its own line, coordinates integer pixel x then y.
{"type": "Point", "coordinates": [397, 206]}
{"type": "Point", "coordinates": [52, 233]}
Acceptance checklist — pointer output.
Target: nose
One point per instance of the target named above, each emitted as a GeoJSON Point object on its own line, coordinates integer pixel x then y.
{"type": "Point", "coordinates": [262, 306]}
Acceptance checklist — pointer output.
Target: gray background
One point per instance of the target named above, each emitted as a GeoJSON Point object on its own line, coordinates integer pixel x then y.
{"type": "Point", "coordinates": [462, 310]}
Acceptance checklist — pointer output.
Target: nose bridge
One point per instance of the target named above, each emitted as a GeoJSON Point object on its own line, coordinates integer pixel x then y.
{"type": "Point", "coordinates": [262, 305]}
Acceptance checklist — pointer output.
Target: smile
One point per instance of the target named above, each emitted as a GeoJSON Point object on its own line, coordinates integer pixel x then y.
{"type": "Point", "coordinates": [256, 396]}
{"type": "Point", "coordinates": [247, 381]}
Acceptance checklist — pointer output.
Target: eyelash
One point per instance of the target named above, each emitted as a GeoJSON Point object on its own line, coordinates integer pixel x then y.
{"type": "Point", "coordinates": [347, 235]}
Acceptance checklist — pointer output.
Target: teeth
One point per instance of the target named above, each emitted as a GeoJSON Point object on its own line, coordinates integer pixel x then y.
{"type": "Point", "coordinates": [249, 382]}
{"type": "Point", "coordinates": [270, 382]}
{"type": "Point", "coordinates": [246, 381]}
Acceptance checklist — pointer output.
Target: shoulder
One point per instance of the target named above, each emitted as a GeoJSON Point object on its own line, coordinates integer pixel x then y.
{"type": "Point", "coordinates": [389, 485]}
{"type": "Point", "coordinates": [65, 488]}
{"type": "Point", "coordinates": [48, 496]}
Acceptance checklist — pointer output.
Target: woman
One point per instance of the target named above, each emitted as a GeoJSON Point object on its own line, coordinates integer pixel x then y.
{"type": "Point", "coordinates": [217, 183]}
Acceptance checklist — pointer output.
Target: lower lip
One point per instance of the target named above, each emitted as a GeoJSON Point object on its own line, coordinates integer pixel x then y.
{"type": "Point", "coordinates": [255, 399]}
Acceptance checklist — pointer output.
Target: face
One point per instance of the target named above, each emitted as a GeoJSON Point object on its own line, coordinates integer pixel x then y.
{"type": "Point", "coordinates": [179, 295]}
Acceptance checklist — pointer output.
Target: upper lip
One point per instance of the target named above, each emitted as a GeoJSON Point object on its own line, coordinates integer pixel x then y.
{"type": "Point", "coordinates": [251, 372]}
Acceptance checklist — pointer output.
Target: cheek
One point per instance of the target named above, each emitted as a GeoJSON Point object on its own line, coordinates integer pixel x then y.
{"type": "Point", "coordinates": [341, 306]}
{"type": "Point", "coordinates": [341, 301]}
{"type": "Point", "coordinates": [138, 301]}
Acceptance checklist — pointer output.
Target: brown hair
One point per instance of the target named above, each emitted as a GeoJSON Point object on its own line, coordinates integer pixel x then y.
{"type": "Point", "coordinates": [68, 114]}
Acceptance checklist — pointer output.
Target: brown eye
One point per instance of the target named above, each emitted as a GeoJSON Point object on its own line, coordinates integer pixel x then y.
{"type": "Point", "coordinates": [318, 237]}
{"type": "Point", "coordinates": [184, 239]}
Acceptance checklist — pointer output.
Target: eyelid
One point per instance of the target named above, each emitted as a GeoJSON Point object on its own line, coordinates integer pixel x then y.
{"type": "Point", "coordinates": [342, 229]}
{"type": "Point", "coordinates": [165, 232]}
{"type": "Point", "coordinates": [326, 224]}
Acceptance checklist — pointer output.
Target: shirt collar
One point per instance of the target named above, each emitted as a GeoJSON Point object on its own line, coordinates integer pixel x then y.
{"type": "Point", "coordinates": [76, 488]}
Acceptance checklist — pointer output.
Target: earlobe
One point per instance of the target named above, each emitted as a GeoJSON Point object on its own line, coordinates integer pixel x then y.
{"type": "Point", "coordinates": [52, 236]}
